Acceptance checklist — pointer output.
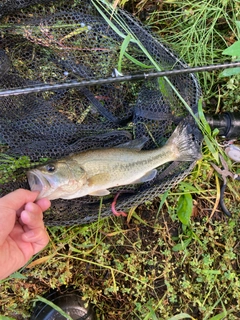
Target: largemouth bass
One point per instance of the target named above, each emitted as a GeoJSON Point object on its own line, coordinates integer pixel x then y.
{"type": "Point", "coordinates": [93, 172]}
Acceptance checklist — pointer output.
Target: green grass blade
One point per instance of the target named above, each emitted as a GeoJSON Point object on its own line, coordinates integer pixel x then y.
{"type": "Point", "coordinates": [54, 306]}
{"type": "Point", "coordinates": [109, 22]}
{"type": "Point", "coordinates": [151, 315]}
{"type": "Point", "coordinates": [221, 315]}
{"type": "Point", "coordinates": [206, 130]}
{"type": "Point", "coordinates": [202, 118]}
{"type": "Point", "coordinates": [137, 62]}
{"type": "Point", "coordinates": [163, 199]}
{"type": "Point", "coordinates": [123, 50]}
{"type": "Point", "coordinates": [108, 7]}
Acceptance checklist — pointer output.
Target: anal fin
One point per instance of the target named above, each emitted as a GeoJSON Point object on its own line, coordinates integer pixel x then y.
{"type": "Point", "coordinates": [150, 175]}
{"type": "Point", "coordinates": [100, 193]}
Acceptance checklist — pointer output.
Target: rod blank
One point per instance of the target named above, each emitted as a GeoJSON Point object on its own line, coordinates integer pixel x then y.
{"type": "Point", "coordinates": [140, 76]}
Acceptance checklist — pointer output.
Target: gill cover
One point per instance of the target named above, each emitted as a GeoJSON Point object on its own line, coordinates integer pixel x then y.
{"type": "Point", "coordinates": [56, 177]}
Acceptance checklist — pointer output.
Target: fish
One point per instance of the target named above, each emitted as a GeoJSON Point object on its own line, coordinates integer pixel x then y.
{"type": "Point", "coordinates": [94, 172]}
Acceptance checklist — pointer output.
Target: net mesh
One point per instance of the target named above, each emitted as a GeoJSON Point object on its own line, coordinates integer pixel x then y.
{"type": "Point", "coordinates": [53, 42]}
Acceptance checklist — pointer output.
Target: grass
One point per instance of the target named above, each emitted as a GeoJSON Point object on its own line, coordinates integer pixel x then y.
{"type": "Point", "coordinates": [187, 24]}
{"type": "Point", "coordinates": [154, 264]}
{"type": "Point", "coordinates": [133, 269]}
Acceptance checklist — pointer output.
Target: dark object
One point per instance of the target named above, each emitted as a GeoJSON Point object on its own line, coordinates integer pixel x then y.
{"type": "Point", "coordinates": [111, 80]}
{"type": "Point", "coordinates": [71, 303]}
{"type": "Point", "coordinates": [69, 41]}
{"type": "Point", "coordinates": [227, 123]}
{"type": "Point", "coordinates": [224, 174]}
{"type": "Point", "coordinates": [8, 6]}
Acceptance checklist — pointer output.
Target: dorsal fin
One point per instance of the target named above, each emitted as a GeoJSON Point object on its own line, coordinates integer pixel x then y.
{"type": "Point", "coordinates": [136, 144]}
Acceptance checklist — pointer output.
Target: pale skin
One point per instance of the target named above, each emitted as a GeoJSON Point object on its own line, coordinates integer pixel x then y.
{"type": "Point", "coordinates": [22, 231]}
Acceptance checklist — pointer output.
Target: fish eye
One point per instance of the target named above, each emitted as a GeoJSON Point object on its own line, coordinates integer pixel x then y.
{"type": "Point", "coordinates": [50, 167]}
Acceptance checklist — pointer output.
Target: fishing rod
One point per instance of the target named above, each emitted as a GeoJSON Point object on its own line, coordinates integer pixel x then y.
{"type": "Point", "coordinates": [115, 79]}
{"type": "Point", "coordinates": [227, 123]}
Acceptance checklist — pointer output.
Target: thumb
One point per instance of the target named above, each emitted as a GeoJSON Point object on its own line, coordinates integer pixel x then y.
{"type": "Point", "coordinates": [17, 199]}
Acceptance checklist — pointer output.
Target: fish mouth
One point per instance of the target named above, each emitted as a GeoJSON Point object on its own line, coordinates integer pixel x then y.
{"type": "Point", "coordinates": [37, 183]}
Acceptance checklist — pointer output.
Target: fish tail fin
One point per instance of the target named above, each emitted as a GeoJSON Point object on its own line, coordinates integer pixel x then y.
{"type": "Point", "coordinates": [186, 140]}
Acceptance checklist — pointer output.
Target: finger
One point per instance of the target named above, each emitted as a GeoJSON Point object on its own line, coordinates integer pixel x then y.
{"type": "Point", "coordinates": [17, 199]}
{"type": "Point", "coordinates": [38, 237]}
{"type": "Point", "coordinates": [32, 218]}
{"type": "Point", "coordinates": [35, 231]}
{"type": "Point", "coordinates": [10, 205]}
{"type": "Point", "coordinates": [44, 204]}
{"type": "Point", "coordinates": [37, 207]}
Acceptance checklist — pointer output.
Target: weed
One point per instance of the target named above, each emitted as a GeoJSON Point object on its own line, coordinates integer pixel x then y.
{"type": "Point", "coordinates": [197, 30]}
{"type": "Point", "coordinates": [178, 256]}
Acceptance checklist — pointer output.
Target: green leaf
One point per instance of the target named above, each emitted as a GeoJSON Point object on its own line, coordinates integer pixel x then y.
{"type": "Point", "coordinates": [6, 318]}
{"type": "Point", "coordinates": [17, 275]}
{"type": "Point", "coordinates": [233, 50]}
{"type": "Point", "coordinates": [162, 86]}
{"type": "Point", "coordinates": [238, 25]}
{"type": "Point", "coordinates": [230, 72]}
{"type": "Point", "coordinates": [181, 316]}
{"type": "Point", "coordinates": [215, 132]}
{"type": "Point", "coordinates": [164, 197]}
{"type": "Point", "coordinates": [183, 245]}
{"type": "Point", "coordinates": [184, 208]}
{"type": "Point", "coordinates": [189, 187]}
{"type": "Point", "coordinates": [123, 50]}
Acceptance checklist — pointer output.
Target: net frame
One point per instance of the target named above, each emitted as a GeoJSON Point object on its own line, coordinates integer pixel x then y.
{"type": "Point", "coordinates": [41, 45]}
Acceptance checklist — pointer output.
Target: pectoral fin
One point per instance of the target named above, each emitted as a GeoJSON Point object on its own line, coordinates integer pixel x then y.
{"type": "Point", "coordinates": [98, 179]}
{"type": "Point", "coordinates": [100, 193]}
{"type": "Point", "coordinates": [147, 177]}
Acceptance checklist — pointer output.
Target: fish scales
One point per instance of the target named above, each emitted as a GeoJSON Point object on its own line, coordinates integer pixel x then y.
{"type": "Point", "coordinates": [119, 160]}
{"type": "Point", "coordinates": [94, 172]}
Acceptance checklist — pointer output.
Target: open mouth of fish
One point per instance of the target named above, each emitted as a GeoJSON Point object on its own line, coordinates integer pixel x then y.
{"type": "Point", "coordinates": [37, 182]}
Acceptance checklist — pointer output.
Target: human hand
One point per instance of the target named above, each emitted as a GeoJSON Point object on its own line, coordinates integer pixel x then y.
{"type": "Point", "coordinates": [22, 231]}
